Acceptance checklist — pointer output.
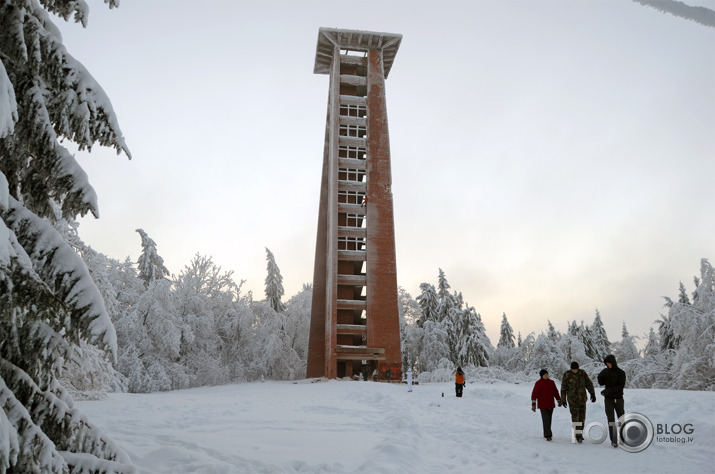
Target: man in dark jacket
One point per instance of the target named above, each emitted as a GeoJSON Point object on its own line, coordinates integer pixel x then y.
{"type": "Point", "coordinates": [574, 385]}
{"type": "Point", "coordinates": [614, 379]}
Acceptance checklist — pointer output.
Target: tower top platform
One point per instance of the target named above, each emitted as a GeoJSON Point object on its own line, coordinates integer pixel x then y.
{"type": "Point", "coordinates": [354, 40]}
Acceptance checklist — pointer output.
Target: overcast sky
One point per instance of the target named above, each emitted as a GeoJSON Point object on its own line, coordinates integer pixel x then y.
{"type": "Point", "coordinates": [552, 157]}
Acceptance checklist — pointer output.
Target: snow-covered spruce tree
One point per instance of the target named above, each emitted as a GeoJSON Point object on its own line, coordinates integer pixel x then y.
{"type": "Point", "coordinates": [234, 327]}
{"type": "Point", "coordinates": [274, 358]}
{"type": "Point", "coordinates": [428, 302]}
{"type": "Point", "coordinates": [48, 301]}
{"type": "Point", "coordinates": [507, 354]}
{"type": "Point", "coordinates": [474, 349]}
{"type": "Point", "coordinates": [625, 349]}
{"type": "Point", "coordinates": [89, 374]}
{"type": "Point", "coordinates": [545, 355]}
{"type": "Point", "coordinates": [652, 347]}
{"type": "Point", "coordinates": [152, 336]}
{"type": "Point", "coordinates": [600, 338]}
{"type": "Point", "coordinates": [683, 295]}
{"type": "Point", "coordinates": [506, 334]}
{"type": "Point", "coordinates": [410, 331]}
{"type": "Point", "coordinates": [551, 332]}
{"type": "Point", "coordinates": [435, 345]}
{"type": "Point", "coordinates": [694, 325]}
{"type": "Point", "coordinates": [589, 342]}
{"type": "Point", "coordinates": [571, 346]}
{"type": "Point", "coordinates": [150, 264]}
{"type": "Point", "coordinates": [297, 325]}
{"type": "Point", "coordinates": [445, 300]}
{"type": "Point", "coordinates": [204, 293]}
{"type": "Point", "coordinates": [274, 283]}
{"type": "Point", "coordinates": [652, 370]}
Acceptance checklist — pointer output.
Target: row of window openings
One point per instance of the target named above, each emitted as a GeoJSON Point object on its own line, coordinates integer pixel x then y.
{"type": "Point", "coordinates": [355, 220]}
{"type": "Point", "coordinates": [355, 131]}
{"type": "Point", "coordinates": [352, 152]}
{"type": "Point", "coordinates": [351, 243]}
{"type": "Point", "coordinates": [350, 110]}
{"type": "Point", "coordinates": [351, 197]}
{"type": "Point", "coordinates": [351, 174]}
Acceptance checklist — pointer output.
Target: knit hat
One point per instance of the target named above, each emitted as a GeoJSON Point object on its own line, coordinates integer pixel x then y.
{"type": "Point", "coordinates": [542, 372]}
{"type": "Point", "coordinates": [574, 365]}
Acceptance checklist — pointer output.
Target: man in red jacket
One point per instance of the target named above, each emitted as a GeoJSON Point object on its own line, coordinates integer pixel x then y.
{"type": "Point", "coordinates": [544, 393]}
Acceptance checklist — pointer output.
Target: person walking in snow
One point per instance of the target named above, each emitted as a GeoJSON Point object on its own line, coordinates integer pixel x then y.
{"type": "Point", "coordinates": [543, 394]}
{"type": "Point", "coordinates": [574, 385]}
{"type": "Point", "coordinates": [614, 380]}
{"type": "Point", "coordinates": [459, 382]}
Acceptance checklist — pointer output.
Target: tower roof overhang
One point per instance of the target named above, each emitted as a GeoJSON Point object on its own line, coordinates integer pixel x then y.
{"type": "Point", "coordinates": [354, 40]}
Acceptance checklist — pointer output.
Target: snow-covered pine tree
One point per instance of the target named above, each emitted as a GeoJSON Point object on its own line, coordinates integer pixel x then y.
{"type": "Point", "coordinates": [435, 346]}
{"type": "Point", "coordinates": [89, 374]}
{"type": "Point", "coordinates": [48, 301]}
{"type": "Point", "coordinates": [506, 334]}
{"type": "Point", "coordinates": [553, 335]}
{"type": "Point", "coordinates": [410, 331]}
{"type": "Point", "coordinates": [156, 334]}
{"type": "Point", "coordinates": [445, 300]}
{"type": "Point", "coordinates": [694, 325]}
{"type": "Point", "coordinates": [573, 328]}
{"type": "Point", "coordinates": [571, 346]}
{"type": "Point", "coordinates": [683, 296]}
{"type": "Point", "coordinates": [150, 264]}
{"type": "Point", "coordinates": [234, 326]}
{"type": "Point", "coordinates": [599, 337]}
{"type": "Point", "coordinates": [274, 284]}
{"type": "Point", "coordinates": [203, 294]}
{"type": "Point", "coordinates": [525, 349]}
{"type": "Point", "coordinates": [545, 355]}
{"type": "Point", "coordinates": [626, 349]}
{"type": "Point", "coordinates": [481, 349]}
{"type": "Point", "coordinates": [429, 302]}
{"type": "Point", "coordinates": [298, 322]}
{"type": "Point", "coordinates": [696, 280]}
{"type": "Point", "coordinates": [587, 338]}
{"type": "Point", "coordinates": [652, 347]}
{"type": "Point", "coordinates": [274, 358]}
{"type": "Point", "coordinates": [584, 336]}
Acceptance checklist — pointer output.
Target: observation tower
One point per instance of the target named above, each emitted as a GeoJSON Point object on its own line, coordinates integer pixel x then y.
{"type": "Point", "coordinates": [354, 325]}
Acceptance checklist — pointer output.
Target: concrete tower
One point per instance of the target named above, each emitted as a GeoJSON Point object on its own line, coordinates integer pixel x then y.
{"type": "Point", "coordinates": [354, 325]}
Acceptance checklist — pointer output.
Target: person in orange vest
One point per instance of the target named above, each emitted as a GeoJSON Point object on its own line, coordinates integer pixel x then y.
{"type": "Point", "coordinates": [459, 382]}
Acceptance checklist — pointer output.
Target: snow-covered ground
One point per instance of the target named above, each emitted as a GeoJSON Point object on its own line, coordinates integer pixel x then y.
{"type": "Point", "coordinates": [347, 426]}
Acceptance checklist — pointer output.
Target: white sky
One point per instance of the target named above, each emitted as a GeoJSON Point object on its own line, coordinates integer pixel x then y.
{"type": "Point", "coordinates": [550, 156]}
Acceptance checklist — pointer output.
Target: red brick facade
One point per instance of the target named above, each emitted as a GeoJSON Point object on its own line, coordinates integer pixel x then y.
{"type": "Point", "coordinates": [354, 325]}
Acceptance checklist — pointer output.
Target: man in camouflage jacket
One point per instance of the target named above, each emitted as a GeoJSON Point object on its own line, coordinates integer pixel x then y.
{"type": "Point", "coordinates": [574, 385]}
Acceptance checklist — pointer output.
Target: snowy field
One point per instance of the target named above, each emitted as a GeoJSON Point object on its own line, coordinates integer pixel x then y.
{"type": "Point", "coordinates": [347, 426]}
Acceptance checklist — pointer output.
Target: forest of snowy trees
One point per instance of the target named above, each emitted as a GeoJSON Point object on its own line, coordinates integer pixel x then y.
{"type": "Point", "coordinates": [198, 328]}
{"type": "Point", "coordinates": [191, 330]}
{"type": "Point", "coordinates": [441, 331]}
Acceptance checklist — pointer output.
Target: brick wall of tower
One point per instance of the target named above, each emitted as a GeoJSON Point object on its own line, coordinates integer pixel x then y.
{"type": "Point", "coordinates": [382, 310]}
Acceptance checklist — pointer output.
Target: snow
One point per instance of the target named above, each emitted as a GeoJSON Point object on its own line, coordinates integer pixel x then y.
{"type": "Point", "coordinates": [348, 426]}
{"type": "Point", "coordinates": [8, 105]}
